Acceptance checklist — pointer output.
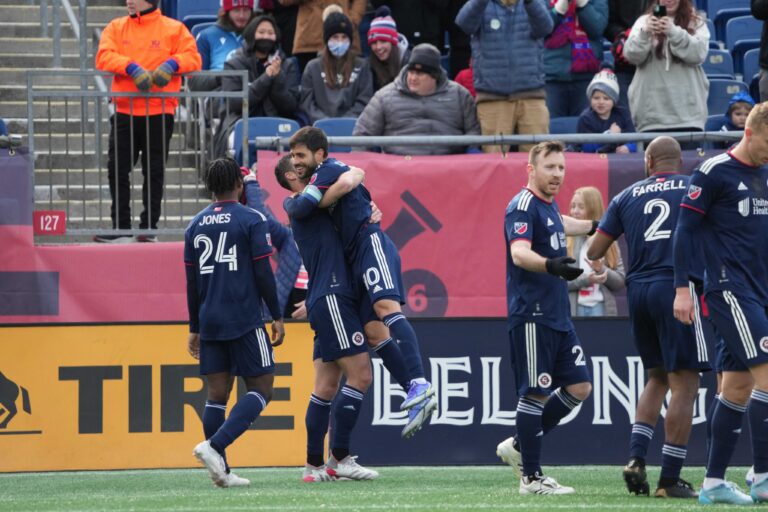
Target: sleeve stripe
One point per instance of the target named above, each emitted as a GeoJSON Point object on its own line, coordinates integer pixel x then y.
{"type": "Point", "coordinates": [692, 208]}
{"type": "Point", "coordinates": [264, 255]}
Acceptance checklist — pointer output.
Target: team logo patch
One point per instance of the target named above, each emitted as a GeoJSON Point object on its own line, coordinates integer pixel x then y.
{"type": "Point", "coordinates": [313, 179]}
{"type": "Point", "coordinates": [545, 380]}
{"type": "Point", "coordinates": [764, 344]}
{"type": "Point", "coordinates": [694, 192]}
{"type": "Point", "coordinates": [358, 338]}
{"type": "Point", "coordinates": [521, 228]}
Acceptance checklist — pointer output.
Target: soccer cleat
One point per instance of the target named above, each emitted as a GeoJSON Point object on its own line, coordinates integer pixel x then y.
{"type": "Point", "coordinates": [750, 476]}
{"type": "Point", "coordinates": [417, 393]}
{"type": "Point", "coordinates": [510, 454]}
{"type": "Point", "coordinates": [417, 416]}
{"type": "Point", "coordinates": [635, 477]}
{"type": "Point", "coordinates": [349, 468]}
{"type": "Point", "coordinates": [759, 491]}
{"type": "Point", "coordinates": [728, 493]}
{"type": "Point", "coordinates": [213, 461]}
{"type": "Point", "coordinates": [316, 474]}
{"type": "Point", "coordinates": [232, 480]}
{"type": "Point", "coordinates": [146, 238]}
{"type": "Point", "coordinates": [680, 489]}
{"type": "Point", "coordinates": [113, 239]}
{"type": "Point", "coordinates": [540, 484]}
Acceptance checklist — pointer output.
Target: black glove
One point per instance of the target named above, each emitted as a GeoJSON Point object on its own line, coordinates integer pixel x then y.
{"type": "Point", "coordinates": [561, 267]}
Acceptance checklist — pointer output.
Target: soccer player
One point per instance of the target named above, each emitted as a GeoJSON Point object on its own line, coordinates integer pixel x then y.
{"type": "Point", "coordinates": [226, 253]}
{"type": "Point", "coordinates": [672, 353]}
{"type": "Point", "coordinates": [550, 368]}
{"type": "Point", "coordinates": [726, 211]}
{"type": "Point", "coordinates": [374, 259]}
{"type": "Point", "coordinates": [340, 346]}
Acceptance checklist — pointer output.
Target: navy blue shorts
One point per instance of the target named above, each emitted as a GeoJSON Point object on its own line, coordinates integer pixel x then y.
{"type": "Point", "coordinates": [338, 332]}
{"type": "Point", "coordinates": [377, 263]}
{"type": "Point", "coordinates": [742, 322]}
{"type": "Point", "coordinates": [661, 340]}
{"type": "Point", "coordinates": [250, 355]}
{"type": "Point", "coordinates": [724, 361]}
{"type": "Point", "coordinates": [545, 359]}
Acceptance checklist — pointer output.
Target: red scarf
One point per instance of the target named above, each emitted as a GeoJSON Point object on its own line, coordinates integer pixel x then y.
{"type": "Point", "coordinates": [583, 58]}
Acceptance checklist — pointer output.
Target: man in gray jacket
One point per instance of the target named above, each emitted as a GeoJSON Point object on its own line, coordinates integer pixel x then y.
{"type": "Point", "coordinates": [507, 55]}
{"type": "Point", "coordinates": [421, 101]}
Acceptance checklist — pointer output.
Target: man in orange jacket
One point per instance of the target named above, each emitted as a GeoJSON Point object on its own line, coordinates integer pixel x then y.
{"type": "Point", "coordinates": [146, 51]}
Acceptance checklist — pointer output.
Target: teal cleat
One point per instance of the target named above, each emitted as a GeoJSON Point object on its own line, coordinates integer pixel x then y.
{"type": "Point", "coordinates": [728, 493]}
{"type": "Point", "coordinates": [759, 491]}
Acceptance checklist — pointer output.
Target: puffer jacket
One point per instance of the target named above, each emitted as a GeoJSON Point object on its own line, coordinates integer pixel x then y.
{"type": "Point", "coordinates": [395, 110]}
{"type": "Point", "coordinates": [507, 43]}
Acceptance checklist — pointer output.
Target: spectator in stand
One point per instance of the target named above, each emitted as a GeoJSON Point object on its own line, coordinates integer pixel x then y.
{"type": "Point", "coordinates": [272, 88]}
{"type": "Point", "coordinates": [146, 52]}
{"type": "Point", "coordinates": [466, 79]}
{"type": "Point", "coordinates": [621, 15]}
{"type": "Point", "coordinates": [421, 21]}
{"type": "Point", "coordinates": [572, 53]}
{"type": "Point", "coordinates": [421, 101]}
{"type": "Point", "coordinates": [669, 91]}
{"type": "Point", "coordinates": [591, 294]}
{"type": "Point", "coordinates": [605, 115]}
{"type": "Point", "coordinates": [760, 11]}
{"type": "Point", "coordinates": [508, 68]}
{"type": "Point", "coordinates": [338, 83]}
{"type": "Point", "coordinates": [460, 50]}
{"type": "Point", "coordinates": [389, 49]}
{"type": "Point", "coordinates": [735, 117]}
{"type": "Point", "coordinates": [218, 43]}
{"type": "Point", "coordinates": [285, 16]}
{"type": "Point", "coordinates": [309, 38]}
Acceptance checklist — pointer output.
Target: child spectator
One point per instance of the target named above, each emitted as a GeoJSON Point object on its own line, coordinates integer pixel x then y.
{"type": "Point", "coordinates": [736, 116]}
{"type": "Point", "coordinates": [338, 83]}
{"type": "Point", "coordinates": [604, 115]}
{"type": "Point", "coordinates": [591, 294]}
{"type": "Point", "coordinates": [389, 49]}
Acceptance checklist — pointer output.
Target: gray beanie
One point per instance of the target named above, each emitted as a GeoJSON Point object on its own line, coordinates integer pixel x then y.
{"type": "Point", "coordinates": [605, 81]}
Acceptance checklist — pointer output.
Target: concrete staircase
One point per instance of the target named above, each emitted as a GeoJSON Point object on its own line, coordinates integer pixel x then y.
{"type": "Point", "coordinates": [69, 175]}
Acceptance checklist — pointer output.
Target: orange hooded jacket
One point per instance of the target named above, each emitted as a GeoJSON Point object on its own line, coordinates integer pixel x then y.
{"type": "Point", "coordinates": [148, 41]}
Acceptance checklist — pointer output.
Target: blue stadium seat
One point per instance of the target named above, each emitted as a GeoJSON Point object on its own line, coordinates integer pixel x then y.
{"type": "Point", "coordinates": [186, 8]}
{"type": "Point", "coordinates": [742, 27]}
{"type": "Point", "coordinates": [261, 127]}
{"type": "Point", "coordinates": [750, 64]}
{"type": "Point", "coordinates": [337, 127]}
{"type": "Point", "coordinates": [738, 51]}
{"type": "Point", "coordinates": [722, 17]}
{"type": "Point", "coordinates": [714, 6]}
{"type": "Point", "coordinates": [714, 41]}
{"type": "Point", "coordinates": [200, 27]}
{"type": "Point", "coordinates": [563, 124]}
{"type": "Point", "coordinates": [192, 20]}
{"type": "Point", "coordinates": [720, 92]}
{"type": "Point", "coordinates": [718, 64]}
{"type": "Point", "coordinates": [714, 123]}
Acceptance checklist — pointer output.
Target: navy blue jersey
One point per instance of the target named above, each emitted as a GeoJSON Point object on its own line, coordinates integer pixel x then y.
{"type": "Point", "coordinates": [536, 296]}
{"type": "Point", "coordinates": [323, 256]}
{"type": "Point", "coordinates": [646, 213]}
{"type": "Point", "coordinates": [351, 214]}
{"type": "Point", "coordinates": [221, 243]}
{"type": "Point", "coordinates": [726, 211]}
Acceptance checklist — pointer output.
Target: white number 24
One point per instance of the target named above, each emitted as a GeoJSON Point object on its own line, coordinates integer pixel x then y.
{"type": "Point", "coordinates": [230, 257]}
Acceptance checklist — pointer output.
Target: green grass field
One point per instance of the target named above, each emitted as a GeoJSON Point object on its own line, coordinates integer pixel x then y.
{"type": "Point", "coordinates": [398, 488]}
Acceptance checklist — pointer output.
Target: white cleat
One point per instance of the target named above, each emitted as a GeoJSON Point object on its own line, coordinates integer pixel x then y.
{"type": "Point", "coordinates": [314, 474]}
{"type": "Point", "coordinates": [349, 468]}
{"type": "Point", "coordinates": [212, 461]}
{"type": "Point", "coordinates": [540, 484]}
{"type": "Point", "coordinates": [232, 480]}
{"type": "Point", "coordinates": [510, 455]}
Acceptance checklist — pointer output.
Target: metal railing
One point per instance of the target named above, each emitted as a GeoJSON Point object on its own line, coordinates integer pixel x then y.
{"type": "Point", "coordinates": [69, 133]}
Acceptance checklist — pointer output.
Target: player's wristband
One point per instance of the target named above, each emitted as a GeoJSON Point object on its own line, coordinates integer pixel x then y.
{"type": "Point", "coordinates": [594, 228]}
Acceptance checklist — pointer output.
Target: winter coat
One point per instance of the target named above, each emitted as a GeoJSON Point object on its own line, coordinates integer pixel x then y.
{"type": "Point", "coordinates": [668, 92]}
{"type": "Point", "coordinates": [216, 44]}
{"type": "Point", "coordinates": [319, 101]}
{"type": "Point", "coordinates": [590, 122]}
{"type": "Point", "coordinates": [593, 18]}
{"type": "Point", "coordinates": [507, 43]}
{"type": "Point", "coordinates": [395, 110]}
{"type": "Point", "coordinates": [309, 24]}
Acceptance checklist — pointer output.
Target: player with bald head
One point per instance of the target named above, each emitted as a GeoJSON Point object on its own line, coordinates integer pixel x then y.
{"type": "Point", "coordinates": [726, 211]}
{"type": "Point", "coordinates": [673, 354]}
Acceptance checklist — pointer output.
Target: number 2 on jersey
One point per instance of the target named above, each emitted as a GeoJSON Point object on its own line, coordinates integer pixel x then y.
{"type": "Point", "coordinates": [220, 257]}
{"type": "Point", "coordinates": [653, 232]}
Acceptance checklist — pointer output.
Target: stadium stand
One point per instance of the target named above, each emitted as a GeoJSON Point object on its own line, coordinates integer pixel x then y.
{"type": "Point", "coordinates": [720, 92]}
{"type": "Point", "coordinates": [719, 64]}
{"type": "Point", "coordinates": [338, 127]}
{"type": "Point", "coordinates": [261, 127]}
{"type": "Point", "coordinates": [563, 124]}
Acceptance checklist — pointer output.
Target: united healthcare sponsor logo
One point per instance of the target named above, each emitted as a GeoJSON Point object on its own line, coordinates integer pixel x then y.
{"type": "Point", "coordinates": [744, 207]}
